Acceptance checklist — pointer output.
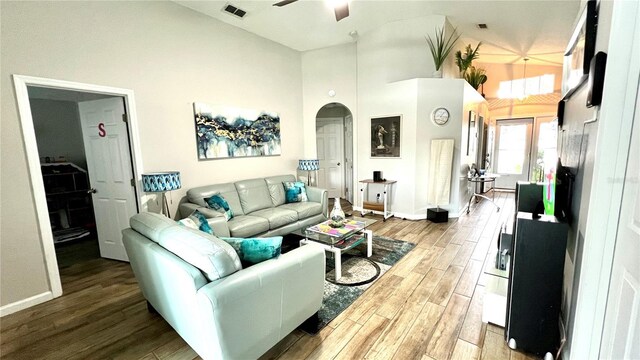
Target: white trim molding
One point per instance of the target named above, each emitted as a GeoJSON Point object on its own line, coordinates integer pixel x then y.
{"type": "Point", "coordinates": [25, 303]}
{"type": "Point", "coordinates": [21, 82]}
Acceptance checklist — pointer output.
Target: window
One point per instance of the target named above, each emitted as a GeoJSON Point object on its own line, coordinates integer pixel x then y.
{"type": "Point", "coordinates": [521, 88]}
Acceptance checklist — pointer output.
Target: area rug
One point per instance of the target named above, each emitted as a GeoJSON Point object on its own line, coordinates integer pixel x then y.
{"type": "Point", "coordinates": [339, 296]}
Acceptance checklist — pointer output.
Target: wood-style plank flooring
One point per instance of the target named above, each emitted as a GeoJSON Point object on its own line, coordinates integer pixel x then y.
{"type": "Point", "coordinates": [428, 306]}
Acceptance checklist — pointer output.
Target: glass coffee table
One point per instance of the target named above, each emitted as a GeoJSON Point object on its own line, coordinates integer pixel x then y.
{"type": "Point", "coordinates": [339, 240]}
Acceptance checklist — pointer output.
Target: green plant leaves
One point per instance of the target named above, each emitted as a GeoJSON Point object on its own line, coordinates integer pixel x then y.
{"type": "Point", "coordinates": [441, 47]}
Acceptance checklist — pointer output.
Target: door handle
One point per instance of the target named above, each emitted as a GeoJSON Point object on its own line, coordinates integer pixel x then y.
{"type": "Point", "coordinates": [338, 164]}
{"type": "Point", "coordinates": [92, 191]}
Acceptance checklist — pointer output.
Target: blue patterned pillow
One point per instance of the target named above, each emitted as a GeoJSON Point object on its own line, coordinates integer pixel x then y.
{"type": "Point", "coordinates": [219, 204]}
{"type": "Point", "coordinates": [255, 250]}
{"type": "Point", "coordinates": [197, 221]}
{"type": "Point", "coordinates": [294, 191]}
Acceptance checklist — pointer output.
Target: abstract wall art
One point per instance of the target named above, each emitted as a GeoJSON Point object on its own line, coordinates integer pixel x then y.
{"type": "Point", "coordinates": [227, 132]}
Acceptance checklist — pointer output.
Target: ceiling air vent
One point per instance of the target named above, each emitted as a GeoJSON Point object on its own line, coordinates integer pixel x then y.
{"type": "Point", "coordinates": [482, 26]}
{"type": "Point", "coordinates": [234, 11]}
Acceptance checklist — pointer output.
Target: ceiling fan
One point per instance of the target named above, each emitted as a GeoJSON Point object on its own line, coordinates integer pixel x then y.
{"type": "Point", "coordinates": [340, 7]}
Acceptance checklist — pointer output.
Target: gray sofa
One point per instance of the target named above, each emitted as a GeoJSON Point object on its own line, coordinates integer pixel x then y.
{"type": "Point", "coordinates": [259, 207]}
{"type": "Point", "coordinates": [220, 309]}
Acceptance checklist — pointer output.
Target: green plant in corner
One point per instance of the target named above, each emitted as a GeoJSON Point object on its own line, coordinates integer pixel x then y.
{"type": "Point", "coordinates": [464, 61]}
{"type": "Point", "coordinates": [475, 76]}
{"type": "Point", "coordinates": [441, 47]}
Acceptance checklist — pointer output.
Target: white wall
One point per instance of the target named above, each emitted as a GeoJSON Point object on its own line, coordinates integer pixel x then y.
{"type": "Point", "coordinates": [371, 74]}
{"type": "Point", "coordinates": [170, 57]}
{"type": "Point", "coordinates": [58, 131]}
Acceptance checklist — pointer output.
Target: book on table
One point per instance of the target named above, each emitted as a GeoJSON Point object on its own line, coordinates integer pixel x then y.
{"type": "Point", "coordinates": [349, 227]}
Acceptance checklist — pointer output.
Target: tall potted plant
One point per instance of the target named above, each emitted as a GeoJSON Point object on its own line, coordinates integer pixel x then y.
{"type": "Point", "coordinates": [464, 60]}
{"type": "Point", "coordinates": [475, 76]}
{"type": "Point", "coordinates": [440, 48]}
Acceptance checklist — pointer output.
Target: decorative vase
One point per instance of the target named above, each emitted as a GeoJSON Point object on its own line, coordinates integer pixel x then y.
{"type": "Point", "coordinates": [337, 215]}
{"type": "Point", "coordinates": [437, 74]}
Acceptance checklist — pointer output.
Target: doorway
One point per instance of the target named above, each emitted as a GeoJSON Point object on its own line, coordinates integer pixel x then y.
{"type": "Point", "coordinates": [334, 148]}
{"type": "Point", "coordinates": [513, 148]}
{"type": "Point", "coordinates": [524, 149]}
{"type": "Point", "coordinates": [107, 121]}
{"type": "Point", "coordinates": [85, 161]}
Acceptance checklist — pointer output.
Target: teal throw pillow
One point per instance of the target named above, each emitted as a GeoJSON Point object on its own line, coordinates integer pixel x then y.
{"type": "Point", "coordinates": [219, 204]}
{"type": "Point", "coordinates": [197, 221]}
{"type": "Point", "coordinates": [255, 250]}
{"type": "Point", "coordinates": [294, 191]}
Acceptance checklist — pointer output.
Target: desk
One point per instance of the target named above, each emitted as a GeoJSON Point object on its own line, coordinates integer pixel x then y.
{"type": "Point", "coordinates": [371, 206]}
{"type": "Point", "coordinates": [487, 178]}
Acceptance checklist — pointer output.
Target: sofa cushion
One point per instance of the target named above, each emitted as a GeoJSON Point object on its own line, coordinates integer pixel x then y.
{"type": "Point", "coordinates": [197, 221]}
{"type": "Point", "coordinates": [295, 191]}
{"type": "Point", "coordinates": [218, 203]}
{"type": "Point", "coordinates": [228, 191]}
{"type": "Point", "coordinates": [247, 225]}
{"type": "Point", "coordinates": [277, 216]}
{"type": "Point", "coordinates": [255, 250]}
{"type": "Point", "coordinates": [254, 195]}
{"type": "Point", "coordinates": [150, 224]}
{"type": "Point", "coordinates": [214, 257]}
{"type": "Point", "coordinates": [304, 209]}
{"type": "Point", "coordinates": [274, 183]}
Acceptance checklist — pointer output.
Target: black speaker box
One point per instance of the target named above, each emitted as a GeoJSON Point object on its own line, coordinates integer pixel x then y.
{"type": "Point", "coordinates": [437, 215]}
{"type": "Point", "coordinates": [596, 79]}
{"type": "Point", "coordinates": [560, 112]}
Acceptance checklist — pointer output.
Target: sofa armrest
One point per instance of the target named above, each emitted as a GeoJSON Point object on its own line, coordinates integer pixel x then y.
{"type": "Point", "coordinates": [254, 308]}
{"type": "Point", "coordinates": [219, 226]}
{"type": "Point", "coordinates": [320, 196]}
{"type": "Point", "coordinates": [187, 208]}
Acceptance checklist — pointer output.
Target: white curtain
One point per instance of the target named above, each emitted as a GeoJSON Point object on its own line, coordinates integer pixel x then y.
{"type": "Point", "coordinates": [440, 171]}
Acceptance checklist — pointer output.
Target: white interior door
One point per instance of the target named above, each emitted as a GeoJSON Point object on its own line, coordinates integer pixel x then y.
{"type": "Point", "coordinates": [348, 158]}
{"type": "Point", "coordinates": [106, 144]}
{"type": "Point", "coordinates": [621, 333]}
{"type": "Point", "coordinates": [513, 148]}
{"type": "Point", "coordinates": [330, 148]}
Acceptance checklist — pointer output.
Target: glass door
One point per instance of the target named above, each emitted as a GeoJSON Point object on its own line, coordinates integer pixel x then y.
{"type": "Point", "coordinates": [513, 148]}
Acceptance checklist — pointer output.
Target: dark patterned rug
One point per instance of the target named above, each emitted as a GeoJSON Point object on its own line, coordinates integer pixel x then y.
{"type": "Point", "coordinates": [358, 274]}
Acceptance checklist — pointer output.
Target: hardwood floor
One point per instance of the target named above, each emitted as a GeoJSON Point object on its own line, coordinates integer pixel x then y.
{"type": "Point", "coordinates": [428, 306]}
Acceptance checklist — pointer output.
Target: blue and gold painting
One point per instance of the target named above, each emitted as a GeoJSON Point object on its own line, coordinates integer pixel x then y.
{"type": "Point", "coordinates": [226, 132]}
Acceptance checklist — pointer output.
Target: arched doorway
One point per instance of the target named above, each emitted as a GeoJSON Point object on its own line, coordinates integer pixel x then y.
{"type": "Point", "coordinates": [334, 147]}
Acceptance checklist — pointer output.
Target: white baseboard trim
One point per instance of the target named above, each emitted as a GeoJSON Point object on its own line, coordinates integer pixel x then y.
{"type": "Point", "coordinates": [357, 209]}
{"type": "Point", "coordinates": [25, 303]}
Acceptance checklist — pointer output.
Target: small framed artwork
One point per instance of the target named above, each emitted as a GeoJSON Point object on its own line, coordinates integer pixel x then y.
{"type": "Point", "coordinates": [471, 133]}
{"type": "Point", "coordinates": [580, 50]}
{"type": "Point", "coordinates": [385, 136]}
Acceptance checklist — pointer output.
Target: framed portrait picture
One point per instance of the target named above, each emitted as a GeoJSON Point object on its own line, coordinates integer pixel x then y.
{"type": "Point", "coordinates": [580, 50]}
{"type": "Point", "coordinates": [385, 136]}
{"type": "Point", "coordinates": [471, 133]}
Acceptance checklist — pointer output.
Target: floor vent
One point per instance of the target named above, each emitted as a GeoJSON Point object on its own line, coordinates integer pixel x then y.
{"type": "Point", "coordinates": [228, 8]}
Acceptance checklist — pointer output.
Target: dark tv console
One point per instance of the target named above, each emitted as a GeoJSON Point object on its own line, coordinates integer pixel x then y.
{"type": "Point", "coordinates": [535, 284]}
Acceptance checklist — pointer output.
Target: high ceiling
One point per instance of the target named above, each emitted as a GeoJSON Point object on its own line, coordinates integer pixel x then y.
{"type": "Point", "coordinates": [516, 28]}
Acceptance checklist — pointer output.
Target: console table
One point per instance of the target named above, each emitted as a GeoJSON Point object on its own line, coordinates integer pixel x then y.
{"type": "Point", "coordinates": [376, 206]}
{"type": "Point", "coordinates": [487, 178]}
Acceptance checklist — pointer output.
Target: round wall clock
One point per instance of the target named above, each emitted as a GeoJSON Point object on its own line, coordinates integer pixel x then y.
{"type": "Point", "coordinates": [440, 116]}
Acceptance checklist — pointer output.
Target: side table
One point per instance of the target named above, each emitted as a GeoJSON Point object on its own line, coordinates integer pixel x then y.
{"type": "Point", "coordinates": [375, 206]}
